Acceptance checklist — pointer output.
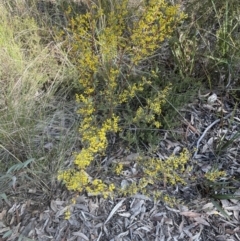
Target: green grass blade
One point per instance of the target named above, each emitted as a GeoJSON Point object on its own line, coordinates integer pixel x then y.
{"type": "Point", "coordinates": [220, 209]}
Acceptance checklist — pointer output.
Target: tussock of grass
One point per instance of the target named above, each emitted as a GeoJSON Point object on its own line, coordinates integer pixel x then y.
{"type": "Point", "coordinates": [30, 76]}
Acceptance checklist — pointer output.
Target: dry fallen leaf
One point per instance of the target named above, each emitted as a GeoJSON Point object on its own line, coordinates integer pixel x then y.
{"type": "Point", "coordinates": [4, 230]}
{"type": "Point", "coordinates": [48, 146]}
{"type": "Point", "coordinates": [53, 206]}
{"type": "Point", "coordinates": [208, 206]}
{"type": "Point", "coordinates": [93, 206]}
{"type": "Point", "coordinates": [212, 98]}
{"type": "Point", "coordinates": [208, 145]}
{"type": "Point", "coordinates": [81, 235]}
{"type": "Point", "coordinates": [117, 206]}
{"type": "Point", "coordinates": [190, 214]}
{"type": "Point", "coordinates": [201, 220]}
{"type": "Point", "coordinates": [2, 214]}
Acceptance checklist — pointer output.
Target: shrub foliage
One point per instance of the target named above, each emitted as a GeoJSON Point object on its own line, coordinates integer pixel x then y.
{"type": "Point", "coordinates": [108, 44]}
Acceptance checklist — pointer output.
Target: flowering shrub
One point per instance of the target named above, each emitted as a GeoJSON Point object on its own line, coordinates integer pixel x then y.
{"type": "Point", "coordinates": [214, 175]}
{"type": "Point", "coordinates": [171, 171]}
{"type": "Point", "coordinates": [108, 44]}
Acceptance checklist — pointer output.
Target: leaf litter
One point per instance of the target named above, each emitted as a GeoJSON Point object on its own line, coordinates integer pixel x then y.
{"type": "Point", "coordinates": [138, 217]}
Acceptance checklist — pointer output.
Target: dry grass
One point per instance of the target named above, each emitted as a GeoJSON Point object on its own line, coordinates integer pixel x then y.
{"type": "Point", "coordinates": [32, 75]}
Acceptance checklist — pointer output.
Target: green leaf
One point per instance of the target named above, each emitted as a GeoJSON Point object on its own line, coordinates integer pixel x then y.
{"type": "Point", "coordinates": [225, 196]}
{"type": "Point", "coordinates": [3, 196]}
{"type": "Point", "coordinates": [227, 143]}
{"type": "Point", "coordinates": [7, 234]}
{"type": "Point", "coordinates": [20, 166]}
{"type": "Point", "coordinates": [220, 209]}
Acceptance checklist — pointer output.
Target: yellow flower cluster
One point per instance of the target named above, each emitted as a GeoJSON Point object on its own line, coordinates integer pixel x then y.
{"type": "Point", "coordinates": [169, 200]}
{"type": "Point", "coordinates": [75, 180]}
{"type": "Point", "coordinates": [130, 189]}
{"type": "Point", "coordinates": [213, 175]}
{"type": "Point", "coordinates": [97, 187]}
{"type": "Point", "coordinates": [84, 158]}
{"type": "Point", "coordinates": [118, 168]}
{"type": "Point", "coordinates": [67, 214]}
{"type": "Point", "coordinates": [130, 92]}
{"type": "Point", "coordinates": [169, 170]}
{"type": "Point", "coordinates": [137, 187]}
{"type": "Point", "coordinates": [155, 24]}
{"type": "Point", "coordinates": [152, 109]}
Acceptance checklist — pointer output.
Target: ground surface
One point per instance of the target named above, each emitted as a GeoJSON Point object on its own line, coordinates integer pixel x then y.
{"type": "Point", "coordinates": [31, 215]}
